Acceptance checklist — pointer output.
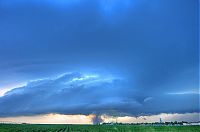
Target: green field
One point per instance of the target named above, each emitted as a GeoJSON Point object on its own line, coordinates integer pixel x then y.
{"type": "Point", "coordinates": [95, 128]}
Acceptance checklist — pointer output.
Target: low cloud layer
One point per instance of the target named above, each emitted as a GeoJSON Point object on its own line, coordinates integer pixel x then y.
{"type": "Point", "coordinates": [77, 93]}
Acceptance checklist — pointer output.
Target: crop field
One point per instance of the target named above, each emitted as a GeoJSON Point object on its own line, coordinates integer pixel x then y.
{"type": "Point", "coordinates": [94, 128]}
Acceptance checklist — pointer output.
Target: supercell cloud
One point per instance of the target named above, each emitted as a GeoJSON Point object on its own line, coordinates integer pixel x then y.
{"type": "Point", "coordinates": [130, 57]}
{"type": "Point", "coordinates": [76, 93]}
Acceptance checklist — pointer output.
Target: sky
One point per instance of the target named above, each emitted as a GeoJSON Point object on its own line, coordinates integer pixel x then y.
{"type": "Point", "coordinates": [97, 60]}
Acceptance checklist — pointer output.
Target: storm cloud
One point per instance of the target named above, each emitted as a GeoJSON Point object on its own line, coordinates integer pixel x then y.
{"type": "Point", "coordinates": [76, 93]}
{"type": "Point", "coordinates": [131, 57]}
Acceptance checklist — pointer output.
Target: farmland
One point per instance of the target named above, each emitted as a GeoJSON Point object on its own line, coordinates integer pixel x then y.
{"type": "Point", "coordinates": [94, 128]}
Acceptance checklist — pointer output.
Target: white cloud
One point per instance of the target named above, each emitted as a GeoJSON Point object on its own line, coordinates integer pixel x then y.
{"type": "Point", "coordinates": [196, 91]}
{"type": "Point", "coordinates": [190, 117]}
{"type": "Point", "coordinates": [5, 89]}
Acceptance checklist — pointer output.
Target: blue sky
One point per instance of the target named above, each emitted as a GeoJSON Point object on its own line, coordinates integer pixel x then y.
{"type": "Point", "coordinates": [133, 57]}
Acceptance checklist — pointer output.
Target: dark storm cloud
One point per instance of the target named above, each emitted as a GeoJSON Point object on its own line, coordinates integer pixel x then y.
{"type": "Point", "coordinates": [76, 93]}
{"type": "Point", "coordinates": [152, 45]}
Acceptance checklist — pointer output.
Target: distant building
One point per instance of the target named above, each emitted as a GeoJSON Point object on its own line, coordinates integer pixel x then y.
{"type": "Point", "coordinates": [161, 120]}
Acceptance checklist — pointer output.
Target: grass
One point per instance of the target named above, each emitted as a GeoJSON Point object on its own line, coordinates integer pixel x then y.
{"type": "Point", "coordinates": [94, 128]}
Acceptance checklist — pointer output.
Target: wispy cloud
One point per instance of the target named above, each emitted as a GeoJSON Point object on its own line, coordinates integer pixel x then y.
{"type": "Point", "coordinates": [5, 89]}
{"type": "Point", "coordinates": [186, 92]}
